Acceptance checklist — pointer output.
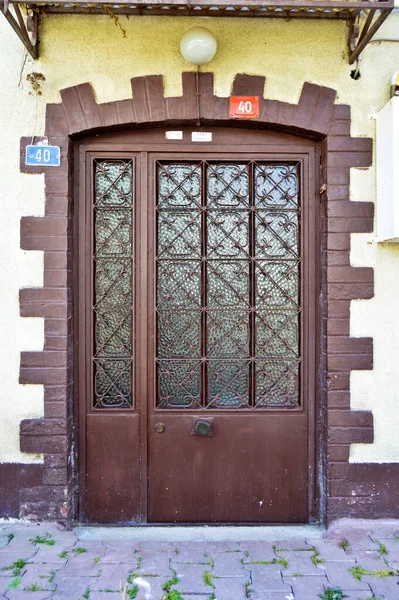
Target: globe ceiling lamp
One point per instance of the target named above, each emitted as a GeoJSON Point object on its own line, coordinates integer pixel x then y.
{"type": "Point", "coordinates": [198, 46]}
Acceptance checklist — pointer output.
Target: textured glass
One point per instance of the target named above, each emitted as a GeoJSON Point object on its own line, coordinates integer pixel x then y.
{"type": "Point", "coordinates": [228, 384]}
{"type": "Point", "coordinates": [277, 333]}
{"type": "Point", "coordinates": [276, 384]}
{"type": "Point", "coordinates": [228, 272]}
{"type": "Point", "coordinates": [276, 186]}
{"type": "Point", "coordinates": [228, 234]}
{"type": "Point", "coordinates": [179, 384]}
{"type": "Point", "coordinates": [112, 275]}
{"type": "Point", "coordinates": [179, 234]}
{"type": "Point", "coordinates": [228, 334]}
{"type": "Point", "coordinates": [179, 334]}
{"type": "Point", "coordinates": [227, 186]}
{"type": "Point", "coordinates": [179, 186]}
{"type": "Point", "coordinates": [227, 284]}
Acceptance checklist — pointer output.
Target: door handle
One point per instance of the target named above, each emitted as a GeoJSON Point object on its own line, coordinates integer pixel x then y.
{"type": "Point", "coordinates": [202, 427]}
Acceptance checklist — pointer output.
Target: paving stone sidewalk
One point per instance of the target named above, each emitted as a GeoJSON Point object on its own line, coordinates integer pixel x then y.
{"type": "Point", "coordinates": [353, 560]}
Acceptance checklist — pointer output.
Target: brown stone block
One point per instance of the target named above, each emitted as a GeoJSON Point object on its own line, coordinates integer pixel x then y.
{"type": "Point", "coordinates": [46, 493]}
{"type": "Point", "coordinates": [206, 98]}
{"type": "Point", "coordinates": [44, 226]}
{"type": "Point", "coordinates": [338, 175]}
{"type": "Point", "coordinates": [55, 477]}
{"type": "Point", "coordinates": [43, 359]}
{"type": "Point", "coordinates": [248, 85]}
{"type": "Point", "coordinates": [351, 275]}
{"type": "Point", "coordinates": [13, 476]}
{"type": "Point", "coordinates": [348, 144]}
{"type": "Point", "coordinates": [338, 327]}
{"type": "Point", "coordinates": [342, 111]}
{"type": "Point", "coordinates": [340, 127]}
{"type": "Point", "coordinates": [188, 107]}
{"type": "Point", "coordinates": [41, 242]}
{"type": "Point", "coordinates": [338, 192]}
{"type": "Point", "coordinates": [350, 291]}
{"type": "Point", "coordinates": [338, 308]}
{"type": "Point", "coordinates": [43, 302]}
{"type": "Point", "coordinates": [89, 105]}
{"type": "Point", "coordinates": [337, 452]}
{"type": "Point", "coordinates": [306, 106]}
{"type": "Point", "coordinates": [221, 108]}
{"type": "Point", "coordinates": [148, 99]}
{"type": "Point", "coordinates": [286, 114]}
{"type": "Point", "coordinates": [338, 241]}
{"type": "Point", "coordinates": [324, 114]}
{"type": "Point", "coordinates": [350, 224]}
{"type": "Point", "coordinates": [55, 461]}
{"type": "Point", "coordinates": [338, 258]}
{"type": "Point", "coordinates": [43, 375]}
{"type": "Point", "coordinates": [350, 418]}
{"type": "Point", "coordinates": [338, 382]}
{"type": "Point", "coordinates": [55, 260]}
{"type": "Point", "coordinates": [55, 410]}
{"type": "Point", "coordinates": [350, 435]}
{"type": "Point", "coordinates": [349, 209]}
{"type": "Point", "coordinates": [56, 444]}
{"type": "Point", "coordinates": [357, 362]}
{"type": "Point", "coordinates": [125, 111]}
{"type": "Point", "coordinates": [338, 399]}
{"type": "Point", "coordinates": [56, 393]}
{"type": "Point", "coordinates": [174, 110]}
{"type": "Point", "coordinates": [55, 279]}
{"type": "Point", "coordinates": [109, 114]}
{"type": "Point", "coordinates": [56, 123]}
{"type": "Point", "coordinates": [57, 205]}
{"type": "Point", "coordinates": [61, 343]}
{"type": "Point", "coordinates": [74, 110]}
{"type": "Point", "coordinates": [42, 427]}
{"type": "Point", "coordinates": [350, 345]}
{"type": "Point", "coordinates": [270, 111]}
{"type": "Point", "coordinates": [55, 327]}
{"type": "Point", "coordinates": [56, 184]}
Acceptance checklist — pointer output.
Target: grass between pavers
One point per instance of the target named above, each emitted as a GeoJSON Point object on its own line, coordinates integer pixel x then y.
{"type": "Point", "coordinates": [46, 539]}
{"type": "Point", "coordinates": [358, 572]}
{"type": "Point", "coordinates": [344, 544]}
{"type": "Point", "coordinates": [332, 594]}
{"type": "Point", "coordinates": [16, 566]}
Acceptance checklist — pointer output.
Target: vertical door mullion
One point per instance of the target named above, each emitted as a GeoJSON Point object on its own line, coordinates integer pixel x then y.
{"type": "Point", "coordinates": [251, 320]}
{"type": "Point", "coordinates": [204, 291]}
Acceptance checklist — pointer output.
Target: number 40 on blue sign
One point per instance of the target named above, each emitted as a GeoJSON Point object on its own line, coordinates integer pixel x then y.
{"type": "Point", "coordinates": [47, 156]}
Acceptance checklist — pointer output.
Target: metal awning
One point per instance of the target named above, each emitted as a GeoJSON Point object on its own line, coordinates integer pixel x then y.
{"type": "Point", "coordinates": [24, 17]}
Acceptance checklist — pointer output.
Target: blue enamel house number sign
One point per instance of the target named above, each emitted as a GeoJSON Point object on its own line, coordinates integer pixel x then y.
{"type": "Point", "coordinates": [44, 156]}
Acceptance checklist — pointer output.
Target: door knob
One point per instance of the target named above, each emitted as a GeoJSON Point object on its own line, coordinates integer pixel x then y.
{"type": "Point", "coordinates": [160, 427]}
{"type": "Point", "coordinates": [203, 427]}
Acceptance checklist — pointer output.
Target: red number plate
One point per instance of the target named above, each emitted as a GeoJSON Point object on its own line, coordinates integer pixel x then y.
{"type": "Point", "coordinates": [244, 107]}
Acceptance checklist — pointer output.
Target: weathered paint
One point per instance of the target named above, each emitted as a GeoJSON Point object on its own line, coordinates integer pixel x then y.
{"type": "Point", "coordinates": [77, 49]}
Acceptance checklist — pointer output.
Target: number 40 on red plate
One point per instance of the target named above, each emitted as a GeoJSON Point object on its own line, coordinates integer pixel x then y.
{"type": "Point", "coordinates": [244, 107]}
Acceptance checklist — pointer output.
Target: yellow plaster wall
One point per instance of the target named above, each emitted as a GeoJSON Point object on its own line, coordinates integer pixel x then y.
{"type": "Point", "coordinates": [76, 49]}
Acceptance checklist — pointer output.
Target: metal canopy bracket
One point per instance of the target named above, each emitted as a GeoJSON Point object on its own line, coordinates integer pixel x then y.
{"type": "Point", "coordinates": [360, 30]}
{"type": "Point", "coordinates": [25, 26]}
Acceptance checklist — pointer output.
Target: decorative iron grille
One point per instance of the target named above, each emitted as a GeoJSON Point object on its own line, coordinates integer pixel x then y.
{"type": "Point", "coordinates": [112, 283]}
{"type": "Point", "coordinates": [228, 296]}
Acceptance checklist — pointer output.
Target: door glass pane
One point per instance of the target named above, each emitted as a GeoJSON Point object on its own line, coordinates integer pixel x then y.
{"type": "Point", "coordinates": [228, 271]}
{"type": "Point", "coordinates": [112, 283]}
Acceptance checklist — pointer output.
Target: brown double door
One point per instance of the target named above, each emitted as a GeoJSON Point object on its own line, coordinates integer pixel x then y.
{"type": "Point", "coordinates": [196, 311]}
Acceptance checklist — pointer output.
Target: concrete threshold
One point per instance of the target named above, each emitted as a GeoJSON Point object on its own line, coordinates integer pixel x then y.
{"type": "Point", "coordinates": [203, 533]}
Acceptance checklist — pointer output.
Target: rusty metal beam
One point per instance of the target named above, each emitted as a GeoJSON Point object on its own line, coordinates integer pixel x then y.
{"type": "Point", "coordinates": [377, 11]}
{"type": "Point", "coordinates": [26, 31]}
{"type": "Point", "coordinates": [319, 5]}
{"type": "Point", "coordinates": [369, 29]}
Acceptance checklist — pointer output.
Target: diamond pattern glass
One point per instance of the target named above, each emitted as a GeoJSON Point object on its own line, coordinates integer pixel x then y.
{"type": "Point", "coordinates": [112, 282]}
{"type": "Point", "coordinates": [228, 272]}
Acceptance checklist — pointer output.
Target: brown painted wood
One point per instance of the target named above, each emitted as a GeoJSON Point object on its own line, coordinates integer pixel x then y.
{"type": "Point", "coordinates": [248, 452]}
{"type": "Point", "coordinates": [113, 473]}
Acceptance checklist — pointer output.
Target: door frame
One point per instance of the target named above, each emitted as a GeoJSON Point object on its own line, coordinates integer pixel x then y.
{"type": "Point", "coordinates": [281, 147]}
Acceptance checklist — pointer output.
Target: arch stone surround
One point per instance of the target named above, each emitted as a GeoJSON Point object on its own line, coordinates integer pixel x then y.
{"type": "Point", "coordinates": [48, 490]}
